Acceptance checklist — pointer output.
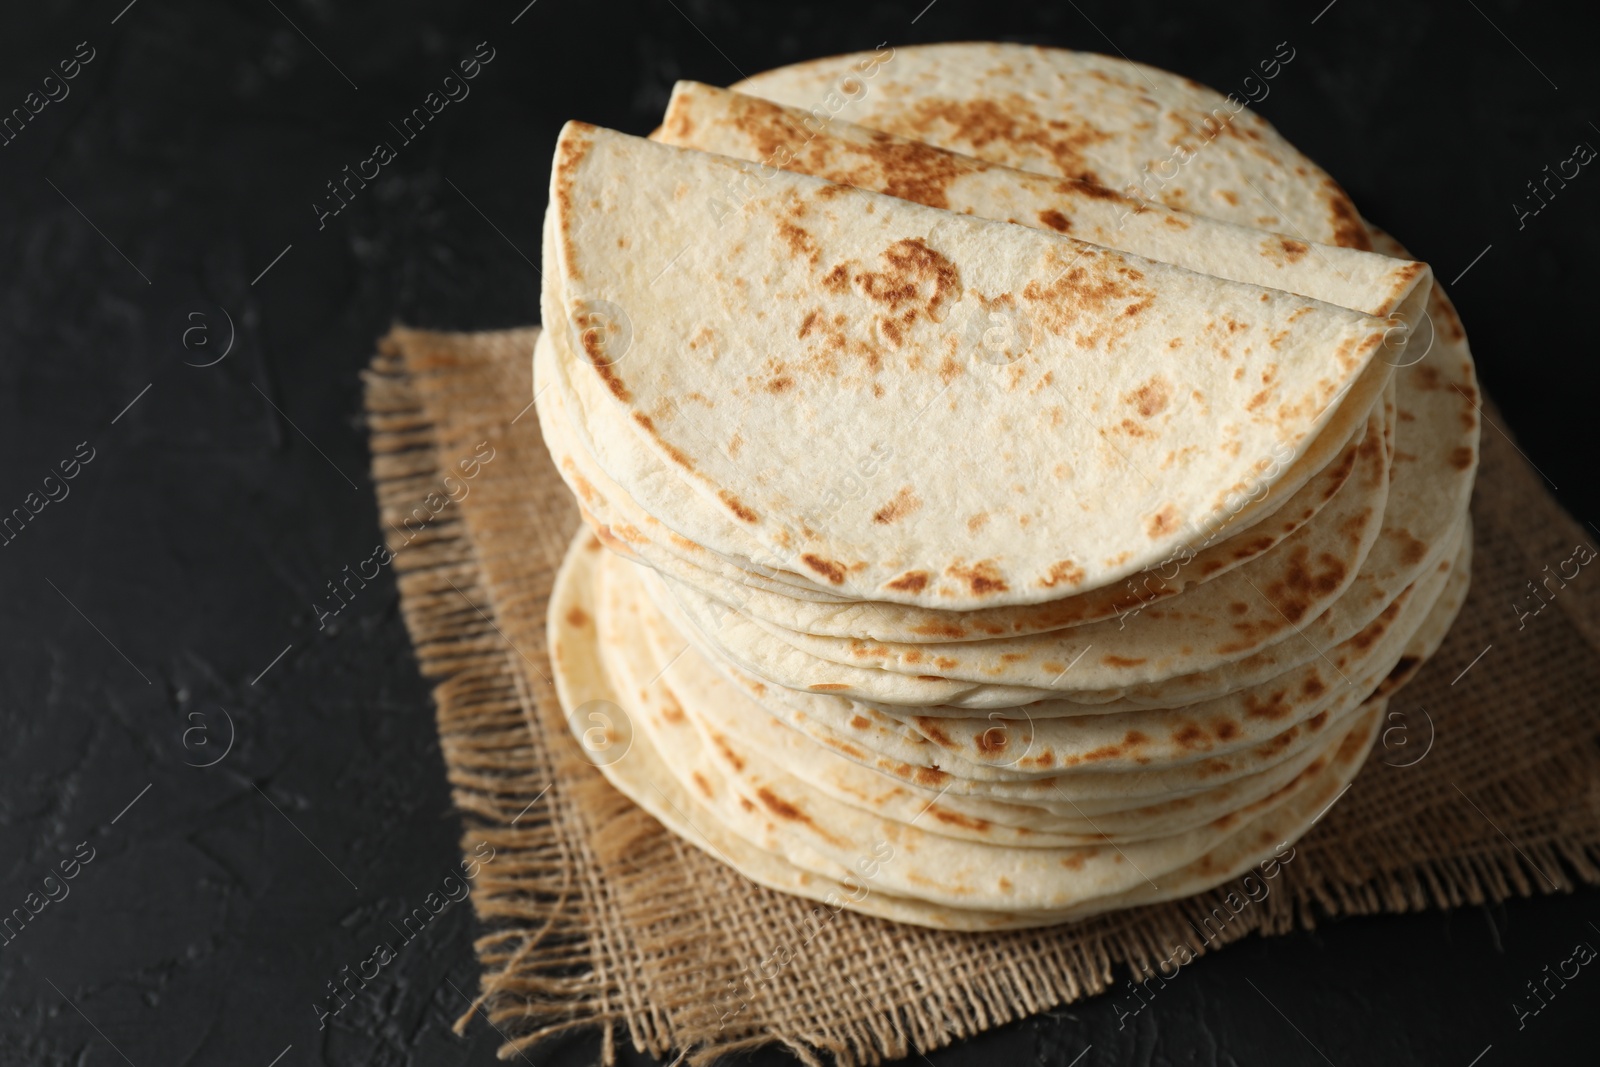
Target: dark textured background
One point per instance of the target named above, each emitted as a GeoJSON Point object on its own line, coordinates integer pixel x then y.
{"type": "Point", "coordinates": [214, 511]}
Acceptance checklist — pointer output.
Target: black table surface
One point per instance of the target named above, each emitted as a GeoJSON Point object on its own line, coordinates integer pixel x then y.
{"type": "Point", "coordinates": [159, 207]}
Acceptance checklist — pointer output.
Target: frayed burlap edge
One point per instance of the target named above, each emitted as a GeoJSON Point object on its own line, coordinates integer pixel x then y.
{"type": "Point", "coordinates": [596, 918]}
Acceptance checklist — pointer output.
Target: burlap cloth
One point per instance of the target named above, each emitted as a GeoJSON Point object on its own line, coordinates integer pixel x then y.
{"type": "Point", "coordinates": [1486, 784]}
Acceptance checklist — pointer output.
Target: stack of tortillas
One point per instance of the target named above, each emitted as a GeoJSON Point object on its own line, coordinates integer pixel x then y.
{"type": "Point", "coordinates": [1025, 477]}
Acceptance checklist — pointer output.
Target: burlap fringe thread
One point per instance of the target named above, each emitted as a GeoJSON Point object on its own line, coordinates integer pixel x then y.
{"type": "Point", "coordinates": [597, 917]}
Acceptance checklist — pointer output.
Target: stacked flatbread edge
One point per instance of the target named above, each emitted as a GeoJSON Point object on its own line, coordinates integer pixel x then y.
{"type": "Point", "coordinates": [968, 542]}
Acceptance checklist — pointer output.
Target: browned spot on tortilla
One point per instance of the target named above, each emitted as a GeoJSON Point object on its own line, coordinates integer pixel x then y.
{"type": "Point", "coordinates": [577, 617]}
{"type": "Point", "coordinates": [931, 776]}
{"type": "Point", "coordinates": [1134, 738]}
{"type": "Point", "coordinates": [981, 577]}
{"type": "Point", "coordinates": [1293, 250]}
{"type": "Point", "coordinates": [1002, 120]}
{"type": "Point", "coordinates": [1162, 522]}
{"type": "Point", "coordinates": [727, 753]}
{"type": "Point", "coordinates": [933, 731]}
{"type": "Point", "coordinates": [591, 326]}
{"type": "Point", "coordinates": [1259, 399]}
{"type": "Point", "coordinates": [1191, 736]}
{"type": "Point", "coordinates": [1120, 661]}
{"type": "Point", "coordinates": [1231, 197]}
{"type": "Point", "coordinates": [1152, 397]}
{"type": "Point", "coordinates": [780, 807]}
{"type": "Point", "coordinates": [1095, 755]}
{"type": "Point", "coordinates": [860, 722]}
{"type": "Point", "coordinates": [671, 710]}
{"type": "Point", "coordinates": [810, 321]}
{"type": "Point", "coordinates": [1074, 862]}
{"type": "Point", "coordinates": [910, 582]}
{"type": "Point", "coordinates": [785, 810]}
{"type": "Point", "coordinates": [1055, 220]}
{"type": "Point", "coordinates": [1085, 299]}
{"type": "Point", "coordinates": [917, 282]}
{"type": "Point", "coordinates": [1461, 457]}
{"type": "Point", "coordinates": [1226, 729]}
{"type": "Point", "coordinates": [799, 240]}
{"type": "Point", "coordinates": [671, 449]}
{"type": "Point", "coordinates": [1062, 572]}
{"type": "Point", "coordinates": [569, 154]}
{"type": "Point", "coordinates": [779, 384]}
{"type": "Point", "coordinates": [1412, 550]}
{"type": "Point", "coordinates": [954, 818]}
{"type": "Point", "coordinates": [902, 504]}
{"type": "Point", "coordinates": [830, 570]}
{"type": "Point", "coordinates": [994, 739]}
{"type": "Point", "coordinates": [700, 781]}
{"type": "Point", "coordinates": [735, 506]}
{"type": "Point", "coordinates": [1272, 707]}
{"type": "Point", "coordinates": [828, 687]}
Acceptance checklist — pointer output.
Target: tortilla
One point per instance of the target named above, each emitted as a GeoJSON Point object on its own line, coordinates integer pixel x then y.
{"type": "Point", "coordinates": [761, 131]}
{"type": "Point", "coordinates": [907, 281]}
{"type": "Point", "coordinates": [1126, 126]}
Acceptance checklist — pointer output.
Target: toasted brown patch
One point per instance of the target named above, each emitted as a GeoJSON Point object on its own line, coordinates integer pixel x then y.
{"type": "Point", "coordinates": [917, 282]}
{"type": "Point", "coordinates": [1056, 221]}
{"type": "Point", "coordinates": [799, 241]}
{"type": "Point", "coordinates": [910, 582]}
{"type": "Point", "coordinates": [955, 818]}
{"type": "Point", "coordinates": [1412, 550]}
{"type": "Point", "coordinates": [903, 503]}
{"type": "Point", "coordinates": [1162, 522]}
{"type": "Point", "coordinates": [981, 577]}
{"type": "Point", "coordinates": [1062, 572]}
{"type": "Point", "coordinates": [591, 326]}
{"type": "Point", "coordinates": [1152, 397]}
{"type": "Point", "coordinates": [735, 506]}
{"type": "Point", "coordinates": [830, 570]}
{"type": "Point", "coordinates": [1012, 119]}
{"type": "Point", "coordinates": [672, 450]}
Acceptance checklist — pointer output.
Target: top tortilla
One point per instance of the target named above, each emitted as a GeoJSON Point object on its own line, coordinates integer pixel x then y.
{"type": "Point", "coordinates": [1127, 405]}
